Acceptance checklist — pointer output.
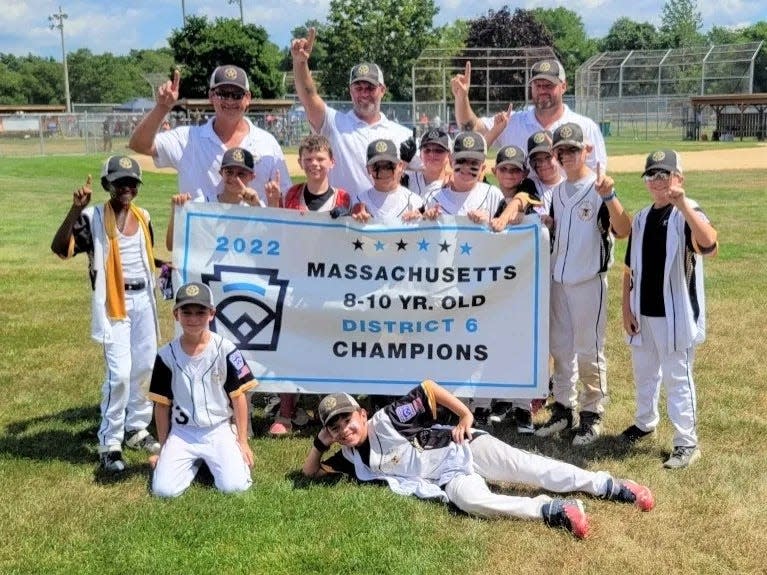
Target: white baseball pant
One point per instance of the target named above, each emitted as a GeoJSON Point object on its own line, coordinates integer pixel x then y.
{"type": "Point", "coordinates": [497, 461]}
{"type": "Point", "coordinates": [577, 343]}
{"type": "Point", "coordinates": [653, 364]}
{"type": "Point", "coordinates": [184, 450]}
{"type": "Point", "coordinates": [129, 359]}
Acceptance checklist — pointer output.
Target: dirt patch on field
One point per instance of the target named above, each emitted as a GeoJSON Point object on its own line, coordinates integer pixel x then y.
{"type": "Point", "coordinates": [737, 159]}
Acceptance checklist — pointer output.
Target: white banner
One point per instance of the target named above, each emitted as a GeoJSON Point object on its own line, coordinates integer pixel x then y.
{"type": "Point", "coordinates": [319, 305]}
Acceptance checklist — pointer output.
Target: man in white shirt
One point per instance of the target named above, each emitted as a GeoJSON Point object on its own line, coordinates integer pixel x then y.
{"type": "Point", "coordinates": [350, 133]}
{"type": "Point", "coordinates": [196, 151]}
{"type": "Point", "coordinates": [548, 84]}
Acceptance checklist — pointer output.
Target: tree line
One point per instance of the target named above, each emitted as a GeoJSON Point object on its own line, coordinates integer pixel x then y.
{"type": "Point", "coordinates": [390, 32]}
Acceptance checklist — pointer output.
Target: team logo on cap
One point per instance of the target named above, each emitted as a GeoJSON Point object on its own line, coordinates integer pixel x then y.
{"type": "Point", "coordinates": [126, 163]}
{"type": "Point", "coordinates": [539, 138]}
{"type": "Point", "coordinates": [510, 152]}
{"type": "Point", "coordinates": [566, 132]}
{"type": "Point", "coordinates": [468, 142]}
{"type": "Point", "coordinates": [362, 70]}
{"type": "Point", "coordinates": [381, 147]}
{"type": "Point", "coordinates": [192, 291]}
{"type": "Point", "coordinates": [328, 403]}
{"type": "Point", "coordinates": [545, 67]}
{"type": "Point", "coordinates": [658, 156]}
{"type": "Point", "coordinates": [230, 73]}
{"type": "Point", "coordinates": [434, 135]}
{"type": "Point", "coordinates": [238, 156]}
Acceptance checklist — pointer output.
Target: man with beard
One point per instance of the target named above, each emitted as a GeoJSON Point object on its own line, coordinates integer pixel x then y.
{"type": "Point", "coordinates": [548, 85]}
{"type": "Point", "coordinates": [350, 133]}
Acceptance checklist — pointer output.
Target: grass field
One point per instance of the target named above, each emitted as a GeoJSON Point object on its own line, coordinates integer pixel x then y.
{"type": "Point", "coordinates": [59, 515]}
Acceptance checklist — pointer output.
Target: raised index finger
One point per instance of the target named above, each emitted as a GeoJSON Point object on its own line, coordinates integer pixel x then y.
{"type": "Point", "coordinates": [467, 69]}
{"type": "Point", "coordinates": [599, 171]}
{"type": "Point", "coordinates": [88, 181]}
{"type": "Point", "coordinates": [176, 80]}
{"type": "Point", "coordinates": [310, 37]}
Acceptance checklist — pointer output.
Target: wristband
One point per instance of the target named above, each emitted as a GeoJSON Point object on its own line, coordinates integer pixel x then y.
{"type": "Point", "coordinates": [319, 446]}
{"type": "Point", "coordinates": [609, 198]}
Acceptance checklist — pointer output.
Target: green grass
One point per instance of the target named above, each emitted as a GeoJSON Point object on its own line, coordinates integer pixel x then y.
{"type": "Point", "coordinates": [59, 515]}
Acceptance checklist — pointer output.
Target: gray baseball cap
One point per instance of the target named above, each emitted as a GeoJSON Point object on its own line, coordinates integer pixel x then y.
{"type": "Point", "coordinates": [194, 293]}
{"type": "Point", "coordinates": [540, 141]}
{"type": "Point", "coordinates": [511, 155]}
{"type": "Point", "coordinates": [229, 75]}
{"type": "Point", "coordinates": [117, 167]}
{"type": "Point", "coordinates": [336, 404]}
{"type": "Point", "coordinates": [238, 157]}
{"type": "Point", "coordinates": [469, 145]}
{"type": "Point", "coordinates": [436, 136]}
{"type": "Point", "coordinates": [667, 160]}
{"type": "Point", "coordinates": [550, 70]}
{"type": "Point", "coordinates": [382, 150]}
{"type": "Point", "coordinates": [569, 134]}
{"type": "Point", "coordinates": [366, 72]}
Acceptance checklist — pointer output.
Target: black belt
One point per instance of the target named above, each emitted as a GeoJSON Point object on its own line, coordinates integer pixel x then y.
{"type": "Point", "coordinates": [135, 286]}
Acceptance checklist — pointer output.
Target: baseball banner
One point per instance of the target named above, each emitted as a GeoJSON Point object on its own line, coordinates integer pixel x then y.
{"type": "Point", "coordinates": [320, 305]}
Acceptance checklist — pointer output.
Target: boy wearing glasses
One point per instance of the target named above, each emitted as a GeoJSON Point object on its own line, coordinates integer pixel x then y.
{"type": "Point", "coordinates": [664, 304]}
{"type": "Point", "coordinates": [117, 236]}
{"type": "Point", "coordinates": [387, 199]}
{"type": "Point", "coordinates": [587, 214]}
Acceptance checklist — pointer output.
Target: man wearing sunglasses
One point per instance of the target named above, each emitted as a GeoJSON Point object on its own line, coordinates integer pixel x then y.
{"type": "Point", "coordinates": [196, 151]}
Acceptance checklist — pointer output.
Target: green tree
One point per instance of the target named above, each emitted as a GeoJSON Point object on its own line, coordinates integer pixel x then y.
{"type": "Point", "coordinates": [391, 33]}
{"type": "Point", "coordinates": [103, 78]}
{"type": "Point", "coordinates": [681, 24]}
{"type": "Point", "coordinates": [626, 34]}
{"type": "Point", "coordinates": [571, 43]}
{"type": "Point", "coordinates": [200, 46]}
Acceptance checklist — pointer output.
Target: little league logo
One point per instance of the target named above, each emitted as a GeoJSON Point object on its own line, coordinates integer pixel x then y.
{"type": "Point", "coordinates": [238, 156]}
{"type": "Point", "coordinates": [658, 156]}
{"type": "Point", "coordinates": [230, 73]}
{"type": "Point", "coordinates": [510, 152]}
{"type": "Point", "coordinates": [566, 132]}
{"type": "Point", "coordinates": [362, 70]}
{"type": "Point", "coordinates": [381, 147]}
{"type": "Point", "coordinates": [250, 305]}
{"type": "Point", "coordinates": [545, 67]}
{"type": "Point", "coordinates": [539, 138]}
{"type": "Point", "coordinates": [468, 143]}
{"type": "Point", "coordinates": [126, 163]}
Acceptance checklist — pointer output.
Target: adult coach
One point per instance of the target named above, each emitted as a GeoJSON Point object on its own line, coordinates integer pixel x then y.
{"type": "Point", "coordinates": [349, 133]}
{"type": "Point", "coordinates": [548, 84]}
{"type": "Point", "coordinates": [196, 151]}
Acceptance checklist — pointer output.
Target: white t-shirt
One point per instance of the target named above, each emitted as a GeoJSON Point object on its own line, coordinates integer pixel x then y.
{"type": "Point", "coordinates": [196, 153]}
{"type": "Point", "coordinates": [484, 197]}
{"type": "Point", "coordinates": [389, 205]}
{"type": "Point", "coordinates": [524, 124]}
{"type": "Point", "coordinates": [349, 136]}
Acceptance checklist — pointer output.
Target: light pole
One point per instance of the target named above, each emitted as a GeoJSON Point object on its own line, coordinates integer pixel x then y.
{"type": "Point", "coordinates": [183, 13]}
{"type": "Point", "coordinates": [57, 21]}
{"type": "Point", "coordinates": [242, 15]}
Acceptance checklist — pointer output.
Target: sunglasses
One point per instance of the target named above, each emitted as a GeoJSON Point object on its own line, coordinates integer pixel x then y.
{"type": "Point", "coordinates": [126, 183]}
{"type": "Point", "coordinates": [229, 94]}
{"type": "Point", "coordinates": [659, 175]}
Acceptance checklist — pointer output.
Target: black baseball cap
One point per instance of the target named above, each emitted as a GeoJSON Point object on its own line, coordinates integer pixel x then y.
{"type": "Point", "coordinates": [540, 141]}
{"type": "Point", "coordinates": [511, 155]}
{"type": "Point", "coordinates": [436, 136]}
{"type": "Point", "coordinates": [469, 145]}
{"type": "Point", "coordinates": [382, 150]}
{"type": "Point", "coordinates": [229, 76]}
{"type": "Point", "coordinates": [366, 72]}
{"type": "Point", "coordinates": [569, 134]}
{"type": "Point", "coordinates": [240, 158]}
{"type": "Point", "coordinates": [667, 160]}
{"type": "Point", "coordinates": [117, 167]}
{"type": "Point", "coordinates": [336, 404]}
{"type": "Point", "coordinates": [194, 293]}
{"type": "Point", "coordinates": [550, 70]}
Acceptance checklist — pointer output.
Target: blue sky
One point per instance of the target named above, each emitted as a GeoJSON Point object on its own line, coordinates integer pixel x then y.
{"type": "Point", "coordinates": [118, 26]}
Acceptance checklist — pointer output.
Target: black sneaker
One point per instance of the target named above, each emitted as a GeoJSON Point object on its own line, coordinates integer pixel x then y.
{"type": "Point", "coordinates": [561, 419]}
{"type": "Point", "coordinates": [112, 461]}
{"type": "Point", "coordinates": [143, 440]}
{"type": "Point", "coordinates": [633, 434]}
{"type": "Point", "coordinates": [524, 420]}
{"type": "Point", "coordinates": [499, 412]}
{"type": "Point", "coordinates": [589, 430]}
{"type": "Point", "coordinates": [567, 513]}
{"type": "Point", "coordinates": [481, 415]}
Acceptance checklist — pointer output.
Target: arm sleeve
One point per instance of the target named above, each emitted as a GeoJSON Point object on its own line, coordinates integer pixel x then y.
{"type": "Point", "coordinates": [81, 236]}
{"type": "Point", "coordinates": [160, 390]}
{"type": "Point", "coordinates": [239, 378]}
{"type": "Point", "coordinates": [337, 463]}
{"type": "Point", "coordinates": [627, 259]}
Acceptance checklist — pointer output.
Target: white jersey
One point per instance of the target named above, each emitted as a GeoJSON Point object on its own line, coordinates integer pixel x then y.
{"type": "Point", "coordinates": [389, 205]}
{"type": "Point", "coordinates": [544, 193]}
{"type": "Point", "coordinates": [417, 184]}
{"type": "Point", "coordinates": [524, 124]}
{"type": "Point", "coordinates": [198, 387]}
{"type": "Point", "coordinates": [349, 136]}
{"type": "Point", "coordinates": [582, 246]}
{"type": "Point", "coordinates": [196, 153]}
{"type": "Point", "coordinates": [482, 197]}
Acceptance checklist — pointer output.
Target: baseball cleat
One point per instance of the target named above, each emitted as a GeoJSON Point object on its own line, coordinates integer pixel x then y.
{"type": "Point", "coordinates": [682, 457]}
{"type": "Point", "coordinates": [144, 440]}
{"type": "Point", "coordinates": [627, 491]}
{"type": "Point", "coordinates": [112, 461]}
{"type": "Point", "coordinates": [632, 434]}
{"type": "Point", "coordinates": [561, 419]}
{"type": "Point", "coordinates": [567, 513]}
{"type": "Point", "coordinates": [589, 429]}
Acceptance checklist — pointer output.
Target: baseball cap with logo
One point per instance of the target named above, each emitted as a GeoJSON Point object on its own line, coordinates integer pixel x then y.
{"type": "Point", "coordinates": [550, 70]}
{"type": "Point", "coordinates": [117, 167]}
{"type": "Point", "coordinates": [667, 160]}
{"type": "Point", "coordinates": [511, 155]}
{"type": "Point", "coordinates": [366, 72]}
{"type": "Point", "coordinates": [229, 76]}
{"type": "Point", "coordinates": [469, 145]}
{"type": "Point", "coordinates": [540, 141]}
{"type": "Point", "coordinates": [382, 150]}
{"type": "Point", "coordinates": [194, 293]}
{"type": "Point", "coordinates": [436, 136]}
{"type": "Point", "coordinates": [569, 134]}
{"type": "Point", "coordinates": [239, 158]}
{"type": "Point", "coordinates": [336, 404]}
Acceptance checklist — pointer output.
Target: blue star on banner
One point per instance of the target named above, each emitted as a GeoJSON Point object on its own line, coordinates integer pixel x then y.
{"type": "Point", "coordinates": [465, 249]}
{"type": "Point", "coordinates": [423, 245]}
{"type": "Point", "coordinates": [379, 245]}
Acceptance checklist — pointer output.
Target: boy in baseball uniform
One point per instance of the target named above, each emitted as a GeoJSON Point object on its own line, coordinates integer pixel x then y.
{"type": "Point", "coordinates": [417, 449]}
{"type": "Point", "coordinates": [664, 304]}
{"type": "Point", "coordinates": [199, 382]}
{"type": "Point", "coordinates": [117, 236]}
{"type": "Point", "coordinates": [587, 215]}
